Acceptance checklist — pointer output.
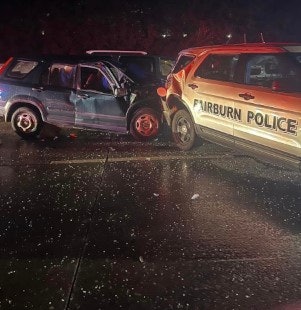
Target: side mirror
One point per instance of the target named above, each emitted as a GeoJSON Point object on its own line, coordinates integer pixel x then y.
{"type": "Point", "coordinates": [120, 92]}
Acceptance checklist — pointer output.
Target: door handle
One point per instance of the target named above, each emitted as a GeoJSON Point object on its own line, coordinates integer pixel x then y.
{"type": "Point", "coordinates": [246, 96]}
{"type": "Point", "coordinates": [39, 89]}
{"type": "Point", "coordinates": [193, 86]}
{"type": "Point", "coordinates": [83, 96]}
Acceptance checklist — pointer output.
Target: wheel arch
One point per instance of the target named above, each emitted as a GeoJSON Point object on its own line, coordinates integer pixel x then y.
{"type": "Point", "coordinates": [132, 110]}
{"type": "Point", "coordinates": [174, 104]}
{"type": "Point", "coordinates": [18, 104]}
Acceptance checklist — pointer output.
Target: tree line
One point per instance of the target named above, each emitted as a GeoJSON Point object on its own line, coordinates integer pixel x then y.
{"type": "Point", "coordinates": [158, 27]}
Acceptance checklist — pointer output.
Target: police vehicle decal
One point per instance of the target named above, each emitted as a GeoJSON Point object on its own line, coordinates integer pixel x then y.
{"type": "Point", "coordinates": [217, 109]}
{"type": "Point", "coordinates": [272, 122]}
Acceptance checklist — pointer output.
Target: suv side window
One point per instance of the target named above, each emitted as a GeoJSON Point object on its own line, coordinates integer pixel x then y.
{"type": "Point", "coordinates": [59, 75]}
{"type": "Point", "coordinates": [276, 71]}
{"type": "Point", "coordinates": [93, 79]}
{"type": "Point", "coordinates": [218, 67]}
{"type": "Point", "coordinates": [21, 68]}
{"type": "Point", "coordinates": [262, 70]}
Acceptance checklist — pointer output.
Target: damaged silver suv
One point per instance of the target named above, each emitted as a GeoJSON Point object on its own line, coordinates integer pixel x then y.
{"type": "Point", "coordinates": [69, 92]}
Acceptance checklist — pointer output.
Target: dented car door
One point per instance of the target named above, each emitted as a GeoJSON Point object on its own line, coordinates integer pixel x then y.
{"type": "Point", "coordinates": [96, 103]}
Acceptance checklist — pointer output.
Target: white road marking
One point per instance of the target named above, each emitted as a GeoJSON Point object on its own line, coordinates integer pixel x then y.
{"type": "Point", "coordinates": [140, 158]}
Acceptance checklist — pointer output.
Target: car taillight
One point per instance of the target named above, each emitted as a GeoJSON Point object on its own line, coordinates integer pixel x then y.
{"type": "Point", "coordinates": [5, 65]}
{"type": "Point", "coordinates": [276, 85]}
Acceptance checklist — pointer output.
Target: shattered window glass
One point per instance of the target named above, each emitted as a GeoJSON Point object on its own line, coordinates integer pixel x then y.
{"type": "Point", "coordinates": [22, 68]}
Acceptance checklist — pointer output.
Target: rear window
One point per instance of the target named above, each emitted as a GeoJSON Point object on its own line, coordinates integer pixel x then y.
{"type": "Point", "coordinates": [21, 68]}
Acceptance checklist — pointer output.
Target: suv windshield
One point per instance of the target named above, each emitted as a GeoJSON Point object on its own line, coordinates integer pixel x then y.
{"type": "Point", "coordinates": [182, 62]}
{"type": "Point", "coordinates": [117, 72]}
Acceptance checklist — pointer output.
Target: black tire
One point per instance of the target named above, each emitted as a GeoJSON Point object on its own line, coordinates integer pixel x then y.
{"type": "Point", "coordinates": [145, 124]}
{"type": "Point", "coordinates": [183, 132]}
{"type": "Point", "coordinates": [26, 122]}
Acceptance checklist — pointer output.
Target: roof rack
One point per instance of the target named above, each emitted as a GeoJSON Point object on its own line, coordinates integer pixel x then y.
{"type": "Point", "coordinates": [115, 52]}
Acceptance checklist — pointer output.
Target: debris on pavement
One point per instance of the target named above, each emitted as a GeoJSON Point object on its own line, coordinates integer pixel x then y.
{"type": "Point", "coordinates": [195, 196]}
{"type": "Point", "coordinates": [72, 135]}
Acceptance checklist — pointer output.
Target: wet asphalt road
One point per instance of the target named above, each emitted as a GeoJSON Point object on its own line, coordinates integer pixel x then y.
{"type": "Point", "coordinates": [101, 222]}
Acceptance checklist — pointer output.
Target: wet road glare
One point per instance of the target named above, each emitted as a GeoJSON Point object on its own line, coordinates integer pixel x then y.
{"type": "Point", "coordinates": [92, 221]}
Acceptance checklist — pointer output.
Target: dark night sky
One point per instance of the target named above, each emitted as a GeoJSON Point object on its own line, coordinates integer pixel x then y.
{"type": "Point", "coordinates": [23, 22]}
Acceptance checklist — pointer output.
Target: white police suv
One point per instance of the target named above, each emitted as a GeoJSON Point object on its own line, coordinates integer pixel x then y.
{"type": "Point", "coordinates": [245, 96]}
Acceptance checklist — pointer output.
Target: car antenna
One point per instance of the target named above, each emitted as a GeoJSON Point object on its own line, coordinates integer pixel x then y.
{"type": "Point", "coordinates": [245, 38]}
{"type": "Point", "coordinates": [261, 37]}
{"type": "Point", "coordinates": [229, 37]}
